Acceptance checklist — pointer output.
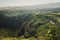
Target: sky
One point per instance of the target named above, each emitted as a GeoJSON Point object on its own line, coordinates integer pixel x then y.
{"type": "Point", "coordinates": [4, 3]}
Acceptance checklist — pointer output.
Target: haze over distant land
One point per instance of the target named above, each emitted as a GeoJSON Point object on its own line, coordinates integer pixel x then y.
{"type": "Point", "coordinates": [34, 7]}
{"type": "Point", "coordinates": [4, 3]}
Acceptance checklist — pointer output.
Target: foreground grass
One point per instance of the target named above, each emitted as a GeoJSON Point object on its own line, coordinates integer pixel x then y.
{"type": "Point", "coordinates": [10, 38]}
{"type": "Point", "coordinates": [22, 38]}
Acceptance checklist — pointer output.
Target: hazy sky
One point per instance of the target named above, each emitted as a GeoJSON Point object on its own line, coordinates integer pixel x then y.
{"type": "Point", "coordinates": [24, 2]}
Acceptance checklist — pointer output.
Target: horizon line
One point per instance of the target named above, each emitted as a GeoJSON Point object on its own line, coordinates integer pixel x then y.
{"type": "Point", "coordinates": [26, 5]}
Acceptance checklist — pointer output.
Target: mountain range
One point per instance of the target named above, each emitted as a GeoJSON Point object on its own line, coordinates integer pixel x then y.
{"type": "Point", "coordinates": [34, 7]}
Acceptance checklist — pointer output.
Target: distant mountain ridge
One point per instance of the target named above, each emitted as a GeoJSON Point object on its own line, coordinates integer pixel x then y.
{"type": "Point", "coordinates": [34, 7]}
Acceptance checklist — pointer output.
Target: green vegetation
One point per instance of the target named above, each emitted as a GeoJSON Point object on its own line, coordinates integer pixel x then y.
{"type": "Point", "coordinates": [33, 25]}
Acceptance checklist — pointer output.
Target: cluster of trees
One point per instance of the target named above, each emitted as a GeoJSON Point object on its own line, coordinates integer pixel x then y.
{"type": "Point", "coordinates": [29, 25]}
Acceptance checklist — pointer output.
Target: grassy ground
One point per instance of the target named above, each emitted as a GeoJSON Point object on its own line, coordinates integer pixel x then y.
{"type": "Point", "coordinates": [9, 38]}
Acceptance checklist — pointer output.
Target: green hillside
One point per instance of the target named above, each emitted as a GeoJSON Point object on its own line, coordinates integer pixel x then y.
{"type": "Point", "coordinates": [29, 25]}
